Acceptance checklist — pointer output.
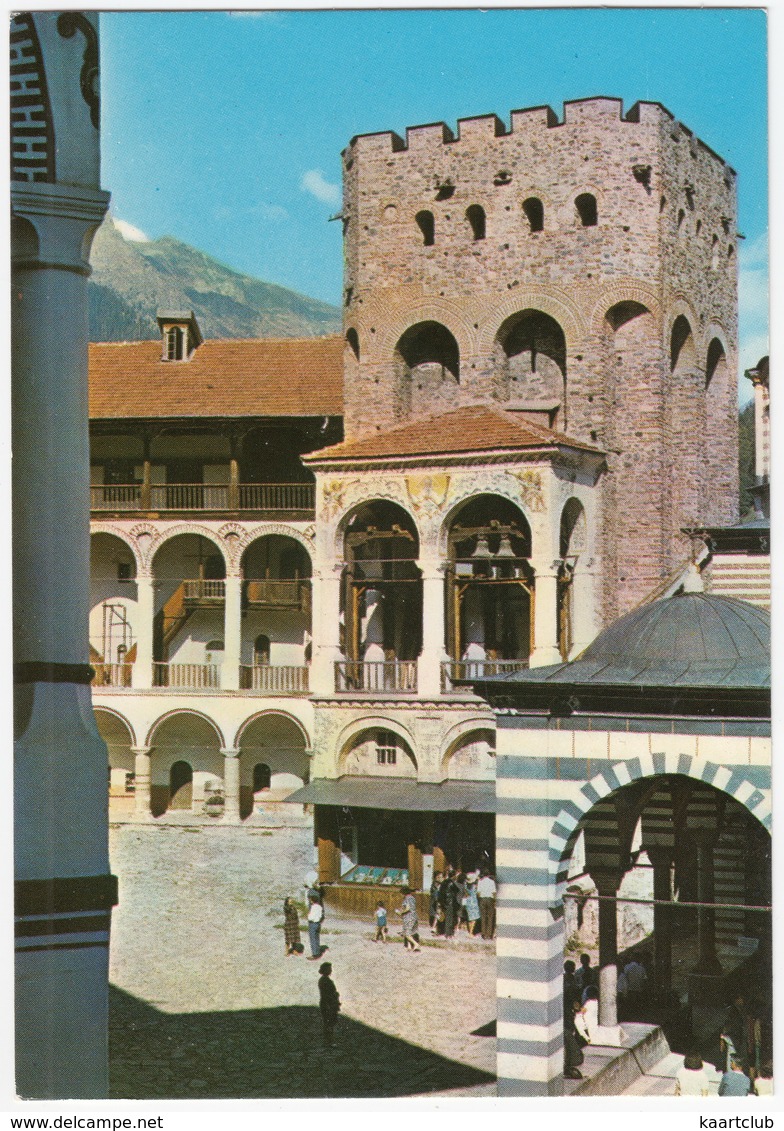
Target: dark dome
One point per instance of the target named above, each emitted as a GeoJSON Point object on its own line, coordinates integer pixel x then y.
{"type": "Point", "coordinates": [693, 629]}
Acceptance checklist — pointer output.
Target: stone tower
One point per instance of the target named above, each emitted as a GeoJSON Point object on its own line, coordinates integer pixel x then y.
{"type": "Point", "coordinates": [580, 272]}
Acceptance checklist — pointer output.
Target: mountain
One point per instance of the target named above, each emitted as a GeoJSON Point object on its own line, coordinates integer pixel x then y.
{"type": "Point", "coordinates": [133, 278]}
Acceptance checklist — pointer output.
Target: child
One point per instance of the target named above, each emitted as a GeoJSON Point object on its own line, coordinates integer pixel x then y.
{"type": "Point", "coordinates": [382, 931]}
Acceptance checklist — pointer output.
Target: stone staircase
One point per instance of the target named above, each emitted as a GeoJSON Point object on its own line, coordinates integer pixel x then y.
{"type": "Point", "coordinates": [746, 577]}
{"type": "Point", "coordinates": [642, 1066]}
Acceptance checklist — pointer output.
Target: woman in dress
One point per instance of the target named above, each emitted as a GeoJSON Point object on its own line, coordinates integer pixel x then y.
{"type": "Point", "coordinates": [410, 923]}
{"type": "Point", "coordinates": [471, 903]}
{"type": "Point", "coordinates": [291, 927]}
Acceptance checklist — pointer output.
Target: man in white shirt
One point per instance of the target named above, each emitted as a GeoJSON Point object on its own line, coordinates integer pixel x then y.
{"type": "Point", "coordinates": [485, 890]}
{"type": "Point", "coordinates": [315, 919]}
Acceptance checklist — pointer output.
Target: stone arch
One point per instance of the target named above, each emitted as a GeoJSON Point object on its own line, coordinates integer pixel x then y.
{"type": "Point", "coordinates": [164, 536]}
{"type": "Point", "coordinates": [427, 364]}
{"type": "Point", "coordinates": [534, 212]}
{"type": "Point", "coordinates": [459, 738]}
{"type": "Point", "coordinates": [113, 624]}
{"type": "Point", "coordinates": [477, 221]}
{"type": "Point", "coordinates": [683, 350]}
{"type": "Point", "coordinates": [587, 208]}
{"type": "Point", "coordinates": [397, 320]}
{"type": "Point", "coordinates": [279, 714]}
{"type": "Point", "coordinates": [716, 356]}
{"type": "Point", "coordinates": [123, 536]}
{"type": "Point", "coordinates": [530, 357]}
{"type": "Point", "coordinates": [348, 736]}
{"type": "Point", "coordinates": [350, 513]}
{"type": "Point", "coordinates": [553, 302]}
{"type": "Point", "coordinates": [352, 341]}
{"type": "Point", "coordinates": [574, 528]}
{"type": "Point", "coordinates": [426, 223]}
{"type": "Point", "coordinates": [359, 755]}
{"type": "Point", "coordinates": [505, 488]}
{"type": "Point", "coordinates": [246, 537]}
{"type": "Point", "coordinates": [622, 292]}
{"type": "Point", "coordinates": [111, 712]}
{"type": "Point", "coordinates": [564, 829]}
{"type": "Point", "coordinates": [151, 732]}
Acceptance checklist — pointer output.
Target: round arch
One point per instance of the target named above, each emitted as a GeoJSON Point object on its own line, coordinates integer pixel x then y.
{"type": "Point", "coordinates": [460, 735]}
{"type": "Point", "coordinates": [348, 736]}
{"type": "Point", "coordinates": [348, 516]}
{"type": "Point", "coordinates": [111, 713]}
{"type": "Point", "coordinates": [166, 536]}
{"type": "Point", "coordinates": [397, 323]}
{"type": "Point", "coordinates": [187, 712]}
{"type": "Point", "coordinates": [122, 536]}
{"type": "Point", "coordinates": [510, 493]}
{"type": "Point", "coordinates": [622, 292]}
{"type": "Point", "coordinates": [558, 305]}
{"type": "Point", "coordinates": [257, 715]}
{"type": "Point", "coordinates": [564, 829]}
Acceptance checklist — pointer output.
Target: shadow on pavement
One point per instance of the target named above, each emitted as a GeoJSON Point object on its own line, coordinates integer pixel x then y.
{"type": "Point", "coordinates": [266, 1053]}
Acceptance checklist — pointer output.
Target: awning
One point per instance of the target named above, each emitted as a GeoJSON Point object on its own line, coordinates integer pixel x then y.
{"type": "Point", "coordinates": [399, 793]}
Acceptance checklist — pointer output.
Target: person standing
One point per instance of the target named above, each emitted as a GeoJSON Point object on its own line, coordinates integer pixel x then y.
{"type": "Point", "coordinates": [315, 919]}
{"type": "Point", "coordinates": [410, 923]}
{"type": "Point", "coordinates": [291, 927]}
{"type": "Point", "coordinates": [471, 903]}
{"type": "Point", "coordinates": [485, 891]}
{"type": "Point", "coordinates": [735, 1082]}
{"type": "Point", "coordinates": [329, 1003]}
{"type": "Point", "coordinates": [448, 898]}
{"type": "Point", "coordinates": [433, 908]}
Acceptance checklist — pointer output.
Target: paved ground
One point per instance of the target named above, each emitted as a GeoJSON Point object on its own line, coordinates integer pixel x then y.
{"type": "Point", "coordinates": [204, 1003]}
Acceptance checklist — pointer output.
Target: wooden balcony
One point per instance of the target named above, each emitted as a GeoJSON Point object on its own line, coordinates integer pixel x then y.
{"type": "Point", "coordinates": [274, 679]}
{"type": "Point", "coordinates": [376, 677]}
{"type": "Point", "coordinates": [186, 677]}
{"type": "Point", "coordinates": [286, 594]}
{"type": "Point", "coordinates": [477, 669]}
{"type": "Point", "coordinates": [111, 676]}
{"type": "Point", "coordinates": [201, 591]}
{"type": "Point", "coordinates": [273, 499]}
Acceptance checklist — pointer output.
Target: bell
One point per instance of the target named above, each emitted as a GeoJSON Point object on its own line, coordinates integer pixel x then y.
{"type": "Point", "coordinates": [482, 549]}
{"type": "Point", "coordinates": [505, 549]}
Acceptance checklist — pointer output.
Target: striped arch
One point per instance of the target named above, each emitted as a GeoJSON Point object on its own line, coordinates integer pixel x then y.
{"type": "Point", "coordinates": [731, 781]}
{"type": "Point", "coordinates": [446, 312]}
{"type": "Point", "coordinates": [167, 535]}
{"type": "Point", "coordinates": [184, 711]}
{"type": "Point", "coordinates": [558, 304]}
{"type": "Point", "coordinates": [123, 536]}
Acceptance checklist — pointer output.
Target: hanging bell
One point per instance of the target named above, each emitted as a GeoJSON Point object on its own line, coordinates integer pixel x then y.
{"type": "Point", "coordinates": [505, 549]}
{"type": "Point", "coordinates": [482, 549]}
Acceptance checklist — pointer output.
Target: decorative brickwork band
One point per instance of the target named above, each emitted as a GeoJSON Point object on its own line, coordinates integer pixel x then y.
{"type": "Point", "coordinates": [32, 132]}
{"type": "Point", "coordinates": [31, 671]}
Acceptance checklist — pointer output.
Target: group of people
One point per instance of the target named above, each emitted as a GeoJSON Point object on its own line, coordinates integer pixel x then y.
{"type": "Point", "coordinates": [462, 898]}
{"type": "Point", "coordinates": [315, 920]}
{"type": "Point", "coordinates": [580, 1012]}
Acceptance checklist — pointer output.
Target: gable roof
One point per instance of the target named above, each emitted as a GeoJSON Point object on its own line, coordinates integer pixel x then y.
{"type": "Point", "coordinates": [223, 378]}
{"type": "Point", "coordinates": [473, 428]}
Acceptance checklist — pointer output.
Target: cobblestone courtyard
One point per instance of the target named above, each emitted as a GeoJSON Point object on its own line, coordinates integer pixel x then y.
{"type": "Point", "coordinates": [205, 1005]}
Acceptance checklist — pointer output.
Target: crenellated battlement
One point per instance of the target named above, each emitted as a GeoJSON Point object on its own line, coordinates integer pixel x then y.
{"type": "Point", "coordinates": [486, 128]}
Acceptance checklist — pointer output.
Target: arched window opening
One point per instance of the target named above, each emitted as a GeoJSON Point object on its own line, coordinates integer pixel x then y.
{"type": "Point", "coordinates": [623, 312]}
{"type": "Point", "coordinates": [680, 336]}
{"type": "Point", "coordinates": [175, 344]}
{"type": "Point", "coordinates": [352, 338]}
{"type": "Point", "coordinates": [534, 213]}
{"type": "Point", "coordinates": [181, 785]}
{"type": "Point", "coordinates": [730, 255]}
{"type": "Point", "coordinates": [490, 586]}
{"type": "Point", "coordinates": [428, 367]}
{"type": "Point", "coordinates": [475, 215]}
{"type": "Point", "coordinates": [681, 218]}
{"type": "Point", "coordinates": [381, 600]}
{"type": "Point", "coordinates": [262, 777]}
{"type": "Point", "coordinates": [586, 209]}
{"type": "Point", "coordinates": [427, 227]}
{"type": "Point", "coordinates": [715, 253]}
{"type": "Point", "coordinates": [572, 543]}
{"type": "Point", "coordinates": [531, 361]}
{"type": "Point", "coordinates": [261, 649]}
{"type": "Point", "coordinates": [716, 356]}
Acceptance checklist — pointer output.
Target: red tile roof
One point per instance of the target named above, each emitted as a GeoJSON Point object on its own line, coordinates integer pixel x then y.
{"type": "Point", "coordinates": [475, 428]}
{"type": "Point", "coordinates": [258, 377]}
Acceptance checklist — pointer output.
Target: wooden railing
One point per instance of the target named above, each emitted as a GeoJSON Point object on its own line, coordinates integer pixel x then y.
{"type": "Point", "coordinates": [111, 675]}
{"type": "Point", "coordinates": [477, 669]}
{"type": "Point", "coordinates": [201, 589]}
{"type": "Point", "coordinates": [193, 677]}
{"type": "Point", "coordinates": [278, 679]}
{"type": "Point", "coordinates": [279, 498]}
{"type": "Point", "coordinates": [376, 676]}
{"type": "Point", "coordinates": [284, 594]}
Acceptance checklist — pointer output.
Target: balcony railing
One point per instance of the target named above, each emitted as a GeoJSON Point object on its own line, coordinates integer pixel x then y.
{"type": "Point", "coordinates": [282, 594]}
{"type": "Point", "coordinates": [274, 679]}
{"type": "Point", "coordinates": [200, 589]}
{"type": "Point", "coordinates": [277, 498]}
{"type": "Point", "coordinates": [399, 676]}
{"type": "Point", "coordinates": [191, 677]}
{"type": "Point", "coordinates": [112, 675]}
{"type": "Point", "coordinates": [477, 669]}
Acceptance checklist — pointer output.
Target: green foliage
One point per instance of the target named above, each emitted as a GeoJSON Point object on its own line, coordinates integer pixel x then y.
{"type": "Point", "coordinates": [746, 458]}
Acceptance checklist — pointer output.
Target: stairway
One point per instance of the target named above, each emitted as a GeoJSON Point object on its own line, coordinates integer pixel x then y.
{"type": "Point", "coordinates": [744, 576]}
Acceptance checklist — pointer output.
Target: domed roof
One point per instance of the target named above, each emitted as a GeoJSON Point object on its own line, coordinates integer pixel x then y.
{"type": "Point", "coordinates": [691, 640]}
{"type": "Point", "coordinates": [692, 629]}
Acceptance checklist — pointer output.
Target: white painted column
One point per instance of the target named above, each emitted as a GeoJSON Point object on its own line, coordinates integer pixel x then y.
{"type": "Point", "coordinates": [545, 650]}
{"type": "Point", "coordinates": [433, 650]}
{"type": "Point", "coordinates": [61, 861]}
{"type": "Point", "coordinates": [585, 612]}
{"type": "Point", "coordinates": [141, 674]}
{"type": "Point", "coordinates": [326, 630]}
{"type": "Point", "coordinates": [232, 634]}
{"type": "Point", "coordinates": [142, 783]}
{"type": "Point", "coordinates": [231, 785]}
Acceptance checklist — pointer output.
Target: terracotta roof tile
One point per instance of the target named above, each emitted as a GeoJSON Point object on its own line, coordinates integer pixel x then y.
{"type": "Point", "coordinates": [474, 428]}
{"type": "Point", "coordinates": [233, 377]}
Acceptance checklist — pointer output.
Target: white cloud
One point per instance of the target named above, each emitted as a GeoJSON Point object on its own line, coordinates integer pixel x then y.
{"type": "Point", "coordinates": [129, 233]}
{"type": "Point", "coordinates": [314, 182]}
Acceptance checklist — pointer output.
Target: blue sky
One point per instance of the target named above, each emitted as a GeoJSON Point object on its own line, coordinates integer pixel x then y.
{"type": "Point", "coordinates": [225, 129]}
